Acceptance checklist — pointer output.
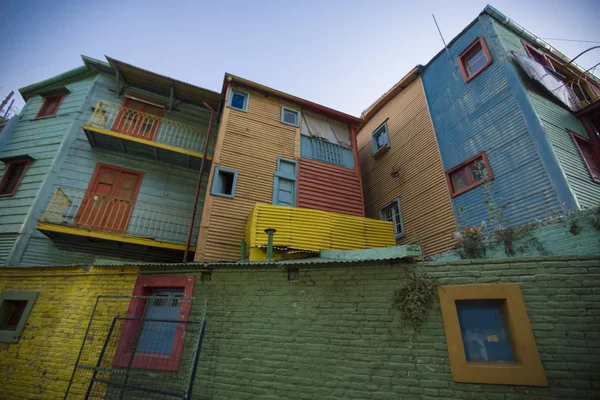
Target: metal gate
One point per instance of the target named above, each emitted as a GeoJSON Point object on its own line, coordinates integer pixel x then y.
{"type": "Point", "coordinates": [136, 348]}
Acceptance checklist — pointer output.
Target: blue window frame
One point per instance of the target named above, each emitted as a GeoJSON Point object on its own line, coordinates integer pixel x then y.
{"type": "Point", "coordinates": [238, 99]}
{"type": "Point", "coordinates": [380, 138]}
{"type": "Point", "coordinates": [284, 183]}
{"type": "Point", "coordinates": [289, 116]}
{"type": "Point", "coordinates": [224, 182]}
{"type": "Point", "coordinates": [393, 212]}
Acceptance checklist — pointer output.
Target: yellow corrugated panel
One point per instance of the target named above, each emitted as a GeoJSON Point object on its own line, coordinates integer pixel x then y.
{"type": "Point", "coordinates": [314, 230]}
{"type": "Point", "coordinates": [348, 233]}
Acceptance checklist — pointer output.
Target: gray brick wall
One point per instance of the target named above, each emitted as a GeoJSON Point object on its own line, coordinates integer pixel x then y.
{"type": "Point", "coordinates": [333, 334]}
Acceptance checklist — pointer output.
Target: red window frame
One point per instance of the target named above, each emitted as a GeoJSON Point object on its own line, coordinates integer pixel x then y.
{"type": "Point", "coordinates": [532, 52]}
{"type": "Point", "coordinates": [9, 171]}
{"type": "Point", "coordinates": [160, 362]}
{"type": "Point", "coordinates": [579, 140]}
{"type": "Point", "coordinates": [51, 105]}
{"type": "Point", "coordinates": [462, 63]}
{"type": "Point", "coordinates": [465, 165]}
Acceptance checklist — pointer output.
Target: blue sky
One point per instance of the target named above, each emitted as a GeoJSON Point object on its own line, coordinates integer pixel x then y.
{"type": "Point", "coordinates": [342, 54]}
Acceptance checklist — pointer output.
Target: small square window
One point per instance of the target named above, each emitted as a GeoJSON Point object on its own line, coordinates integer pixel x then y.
{"type": "Point", "coordinates": [393, 212]}
{"type": "Point", "coordinates": [13, 174]}
{"type": "Point", "coordinates": [474, 59]}
{"type": "Point", "coordinates": [290, 116]}
{"type": "Point", "coordinates": [15, 308]}
{"type": "Point", "coordinates": [224, 182]}
{"type": "Point", "coordinates": [380, 139]}
{"type": "Point", "coordinates": [537, 55]}
{"type": "Point", "coordinates": [488, 335]}
{"type": "Point", "coordinates": [50, 105]}
{"type": "Point", "coordinates": [586, 150]}
{"type": "Point", "coordinates": [238, 99]}
{"type": "Point", "coordinates": [471, 173]}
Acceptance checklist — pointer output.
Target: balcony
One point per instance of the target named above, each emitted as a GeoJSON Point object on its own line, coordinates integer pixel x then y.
{"type": "Point", "coordinates": [132, 132]}
{"type": "Point", "coordinates": [304, 230]}
{"type": "Point", "coordinates": [322, 150]}
{"type": "Point", "coordinates": [84, 214]}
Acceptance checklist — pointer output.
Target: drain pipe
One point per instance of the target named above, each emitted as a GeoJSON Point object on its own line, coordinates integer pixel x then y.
{"type": "Point", "coordinates": [270, 232]}
{"type": "Point", "coordinates": [191, 228]}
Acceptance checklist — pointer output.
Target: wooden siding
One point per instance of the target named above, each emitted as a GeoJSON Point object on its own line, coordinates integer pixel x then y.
{"type": "Point", "coordinates": [250, 143]}
{"type": "Point", "coordinates": [556, 121]}
{"type": "Point", "coordinates": [484, 115]}
{"type": "Point", "coordinates": [421, 186]}
{"type": "Point", "coordinates": [342, 195]}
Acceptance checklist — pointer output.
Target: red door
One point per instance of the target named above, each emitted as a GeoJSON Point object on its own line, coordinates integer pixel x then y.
{"type": "Point", "coordinates": [138, 119]}
{"type": "Point", "coordinates": [109, 200]}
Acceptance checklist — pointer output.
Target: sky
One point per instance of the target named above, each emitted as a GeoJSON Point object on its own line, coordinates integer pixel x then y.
{"type": "Point", "coordinates": [341, 54]}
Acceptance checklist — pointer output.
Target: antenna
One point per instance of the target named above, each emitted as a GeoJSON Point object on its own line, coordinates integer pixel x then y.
{"type": "Point", "coordinates": [442, 36]}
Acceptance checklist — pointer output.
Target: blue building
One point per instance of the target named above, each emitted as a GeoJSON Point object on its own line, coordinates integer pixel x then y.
{"type": "Point", "coordinates": [104, 165]}
{"type": "Point", "coordinates": [516, 123]}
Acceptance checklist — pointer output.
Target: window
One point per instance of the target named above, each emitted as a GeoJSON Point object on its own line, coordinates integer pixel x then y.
{"type": "Point", "coordinates": [474, 59]}
{"type": "Point", "coordinates": [380, 139]}
{"type": "Point", "coordinates": [224, 182]}
{"type": "Point", "coordinates": [290, 116]}
{"type": "Point", "coordinates": [50, 105]}
{"type": "Point", "coordinates": [537, 55]}
{"type": "Point", "coordinates": [284, 183]}
{"type": "Point", "coordinates": [159, 342]}
{"type": "Point", "coordinates": [13, 174]}
{"type": "Point", "coordinates": [15, 308]}
{"type": "Point", "coordinates": [471, 173]}
{"type": "Point", "coordinates": [239, 99]}
{"type": "Point", "coordinates": [586, 150]}
{"type": "Point", "coordinates": [489, 336]}
{"type": "Point", "coordinates": [393, 212]}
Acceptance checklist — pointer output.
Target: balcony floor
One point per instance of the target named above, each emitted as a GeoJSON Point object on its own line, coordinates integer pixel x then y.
{"type": "Point", "coordinates": [54, 231]}
{"type": "Point", "coordinates": [130, 145]}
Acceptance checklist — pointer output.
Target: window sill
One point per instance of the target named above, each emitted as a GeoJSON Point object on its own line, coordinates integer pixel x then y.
{"type": "Point", "coordinates": [399, 236]}
{"type": "Point", "coordinates": [382, 150]}
{"type": "Point", "coordinates": [45, 117]}
{"type": "Point", "coordinates": [238, 109]}
{"type": "Point", "coordinates": [227, 196]}
{"type": "Point", "coordinates": [453, 195]}
{"type": "Point", "coordinates": [287, 123]}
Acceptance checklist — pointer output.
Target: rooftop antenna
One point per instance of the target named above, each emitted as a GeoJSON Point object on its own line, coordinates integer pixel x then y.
{"type": "Point", "coordinates": [442, 36]}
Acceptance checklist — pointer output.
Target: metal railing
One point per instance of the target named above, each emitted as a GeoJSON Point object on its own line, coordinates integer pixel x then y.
{"type": "Point", "coordinates": [322, 150]}
{"type": "Point", "coordinates": [147, 127]}
{"type": "Point", "coordinates": [81, 209]}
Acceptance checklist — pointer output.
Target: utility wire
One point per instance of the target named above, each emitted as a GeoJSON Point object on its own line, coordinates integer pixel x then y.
{"type": "Point", "coordinates": [570, 40]}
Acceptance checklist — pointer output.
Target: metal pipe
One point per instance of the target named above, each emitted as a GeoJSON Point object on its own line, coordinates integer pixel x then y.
{"type": "Point", "coordinates": [9, 107]}
{"type": "Point", "coordinates": [243, 251]}
{"type": "Point", "coordinates": [190, 229]}
{"type": "Point", "coordinates": [270, 232]}
{"type": "Point", "coordinates": [6, 99]}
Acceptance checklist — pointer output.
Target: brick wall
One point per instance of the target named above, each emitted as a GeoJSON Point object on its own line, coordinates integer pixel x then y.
{"type": "Point", "coordinates": [333, 333]}
{"type": "Point", "coordinates": [39, 366]}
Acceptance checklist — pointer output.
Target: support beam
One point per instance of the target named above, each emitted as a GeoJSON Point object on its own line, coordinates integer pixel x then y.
{"type": "Point", "coordinates": [123, 148]}
{"type": "Point", "coordinates": [120, 82]}
{"type": "Point", "coordinates": [171, 96]}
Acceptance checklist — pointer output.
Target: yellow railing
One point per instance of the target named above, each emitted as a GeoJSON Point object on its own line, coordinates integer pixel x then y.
{"type": "Point", "coordinates": [149, 127]}
{"type": "Point", "coordinates": [81, 209]}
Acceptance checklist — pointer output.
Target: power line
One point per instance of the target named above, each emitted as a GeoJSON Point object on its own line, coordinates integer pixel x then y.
{"type": "Point", "coordinates": [570, 40]}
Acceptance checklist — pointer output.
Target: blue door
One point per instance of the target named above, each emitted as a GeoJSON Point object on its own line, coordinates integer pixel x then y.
{"type": "Point", "coordinates": [158, 336]}
{"type": "Point", "coordinates": [284, 185]}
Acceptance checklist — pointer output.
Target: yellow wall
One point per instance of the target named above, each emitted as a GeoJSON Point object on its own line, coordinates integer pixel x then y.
{"type": "Point", "coordinates": [421, 185]}
{"type": "Point", "coordinates": [39, 366]}
{"type": "Point", "coordinates": [250, 143]}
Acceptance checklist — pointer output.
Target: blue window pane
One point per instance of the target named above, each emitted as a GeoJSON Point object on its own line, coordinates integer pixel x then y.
{"type": "Point", "coordinates": [158, 335]}
{"type": "Point", "coordinates": [290, 117]}
{"type": "Point", "coordinates": [484, 334]}
{"type": "Point", "coordinates": [238, 101]}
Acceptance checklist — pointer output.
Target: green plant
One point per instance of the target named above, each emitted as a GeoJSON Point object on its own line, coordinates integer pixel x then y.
{"type": "Point", "coordinates": [509, 237]}
{"type": "Point", "coordinates": [414, 299]}
{"type": "Point", "coordinates": [574, 228]}
{"type": "Point", "coordinates": [596, 219]}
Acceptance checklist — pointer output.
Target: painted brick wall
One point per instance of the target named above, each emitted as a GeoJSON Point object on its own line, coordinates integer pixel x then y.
{"type": "Point", "coordinates": [333, 333]}
{"type": "Point", "coordinates": [40, 365]}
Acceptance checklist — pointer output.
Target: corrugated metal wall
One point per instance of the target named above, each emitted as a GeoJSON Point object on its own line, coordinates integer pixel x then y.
{"type": "Point", "coordinates": [556, 121]}
{"type": "Point", "coordinates": [7, 241]}
{"type": "Point", "coordinates": [340, 194]}
{"type": "Point", "coordinates": [483, 115]}
{"type": "Point", "coordinates": [421, 183]}
{"type": "Point", "coordinates": [250, 143]}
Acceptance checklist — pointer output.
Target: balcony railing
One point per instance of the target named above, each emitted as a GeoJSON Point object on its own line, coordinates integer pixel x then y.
{"type": "Point", "coordinates": [322, 150]}
{"type": "Point", "coordinates": [81, 209]}
{"type": "Point", "coordinates": [152, 128]}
